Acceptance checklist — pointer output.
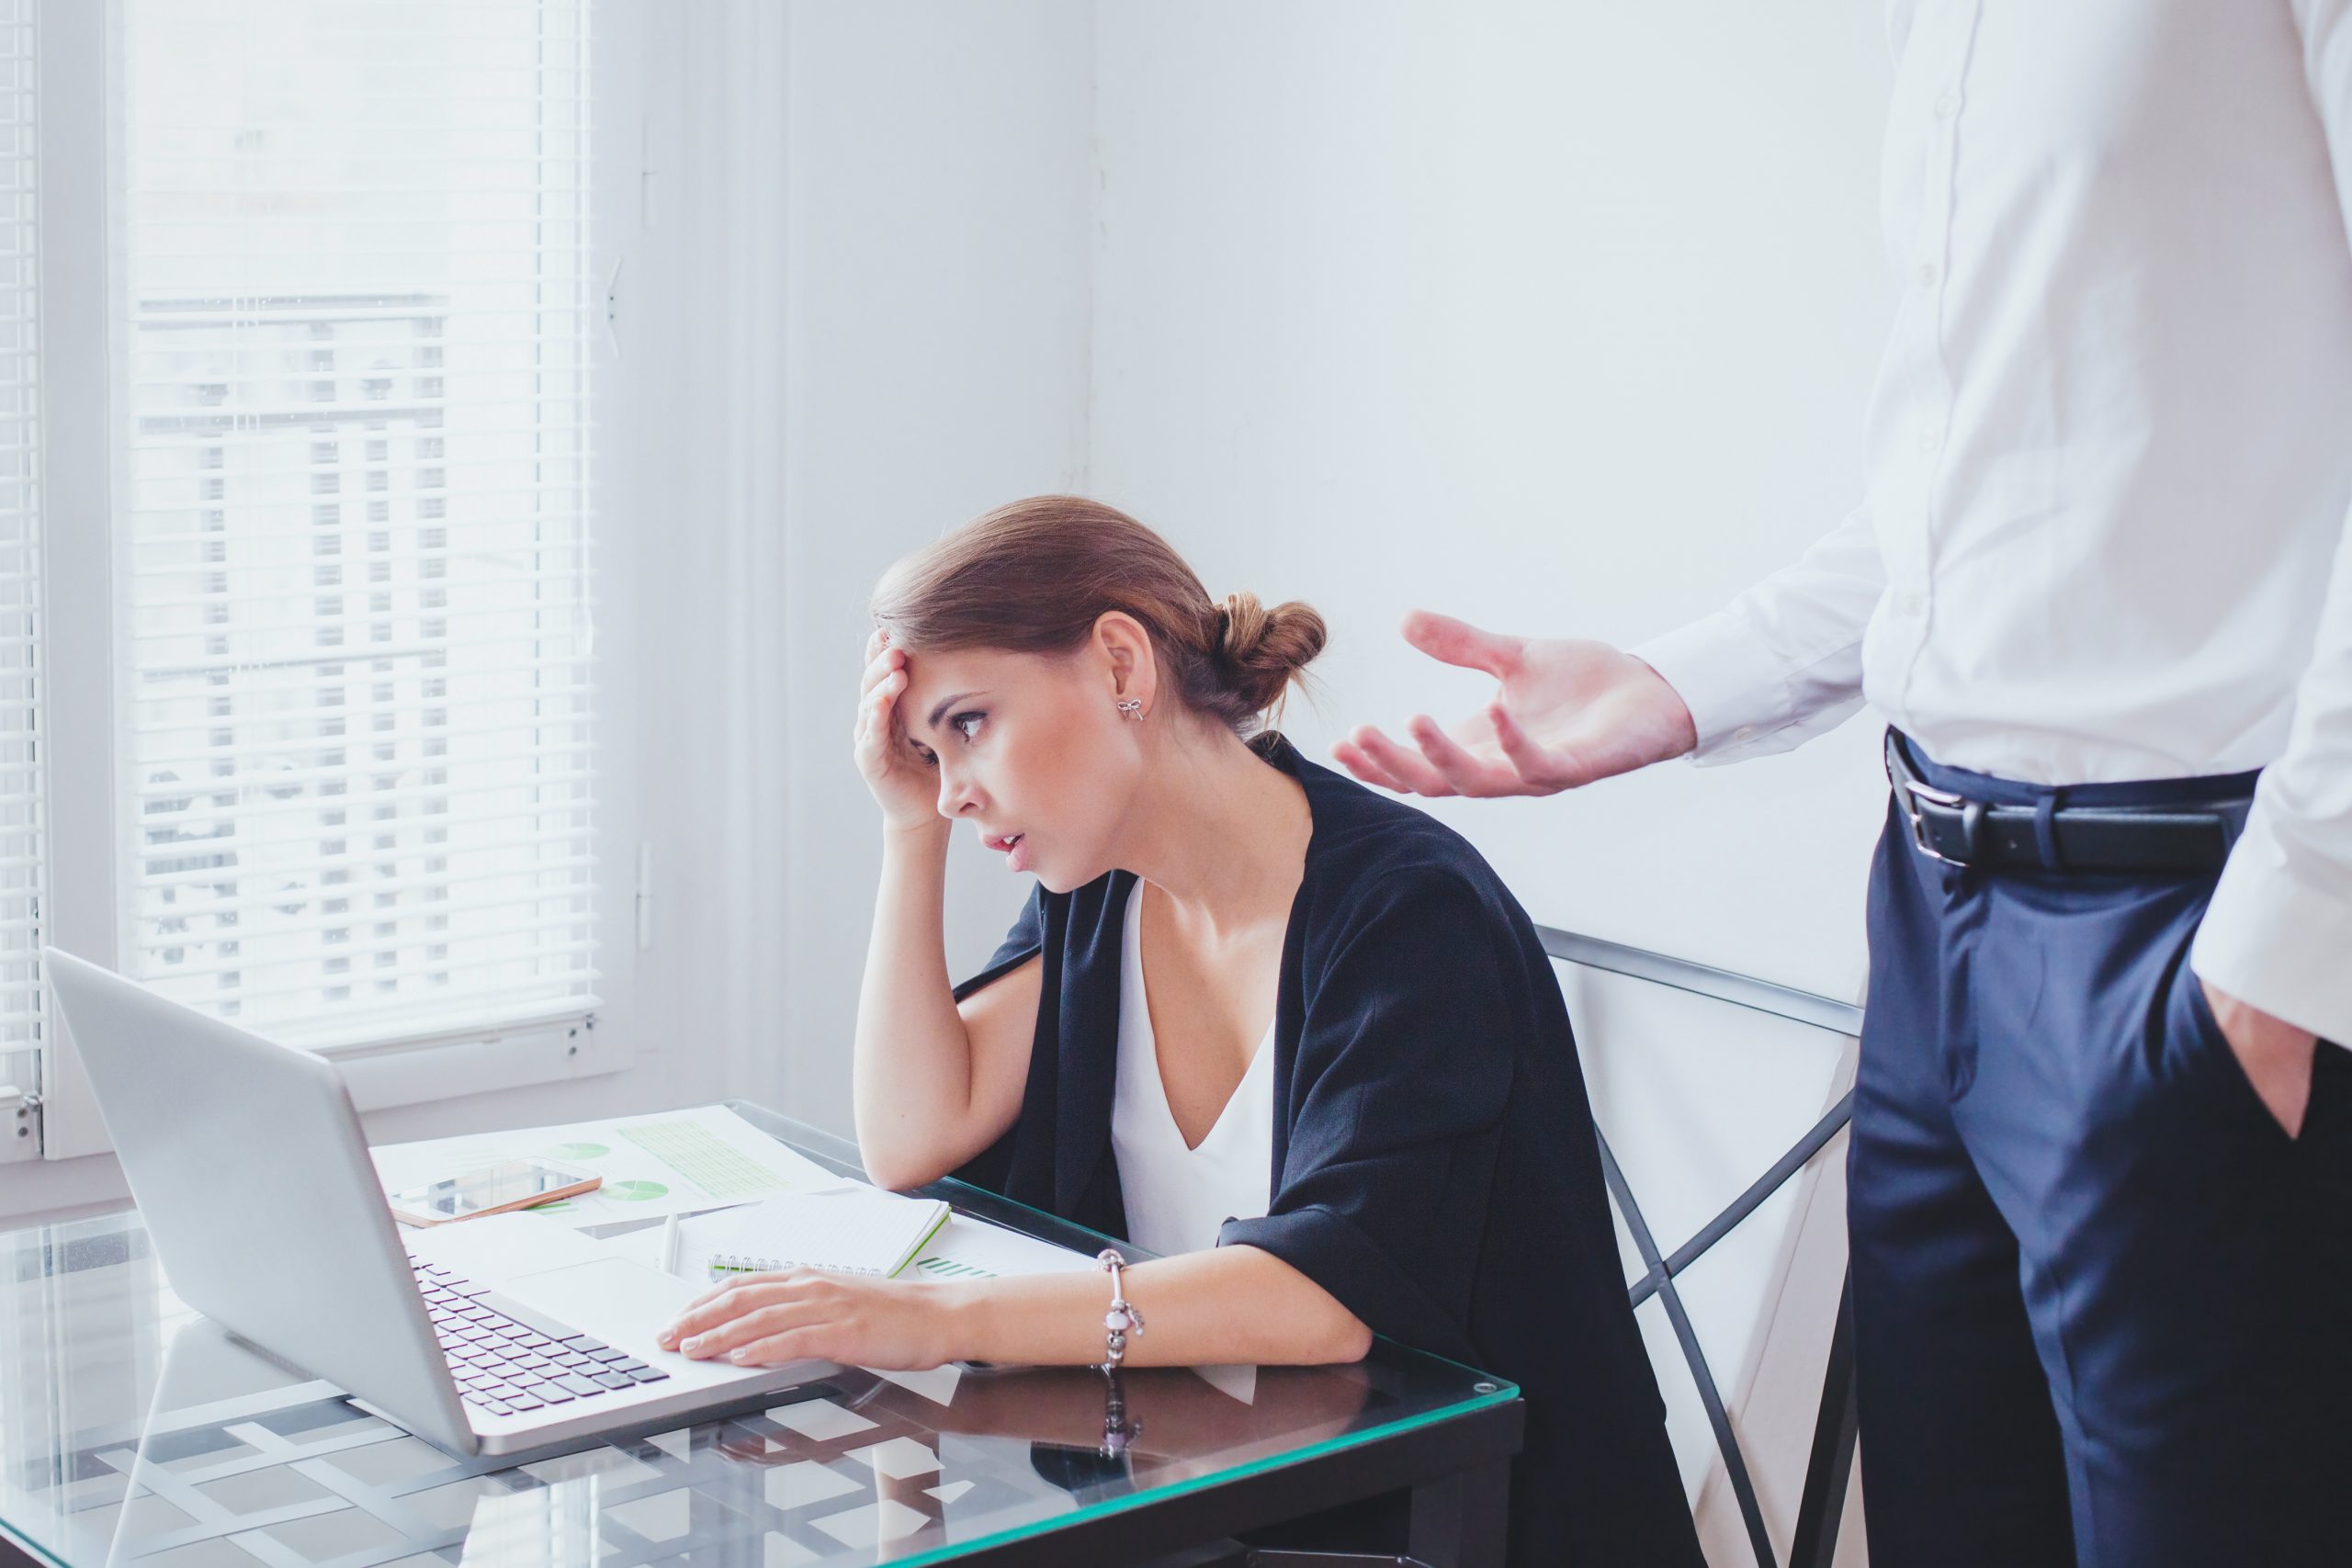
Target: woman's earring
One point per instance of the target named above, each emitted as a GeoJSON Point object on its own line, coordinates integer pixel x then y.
{"type": "Point", "coordinates": [1131, 707]}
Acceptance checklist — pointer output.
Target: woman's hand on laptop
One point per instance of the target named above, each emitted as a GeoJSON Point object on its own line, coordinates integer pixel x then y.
{"type": "Point", "coordinates": [1566, 712]}
{"type": "Point", "coordinates": [761, 1320]}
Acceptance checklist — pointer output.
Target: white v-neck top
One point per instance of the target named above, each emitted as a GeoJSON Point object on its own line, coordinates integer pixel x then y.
{"type": "Point", "coordinates": [1178, 1198]}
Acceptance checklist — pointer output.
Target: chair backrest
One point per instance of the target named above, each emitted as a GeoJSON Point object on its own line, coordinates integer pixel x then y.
{"type": "Point", "coordinates": [1659, 1267]}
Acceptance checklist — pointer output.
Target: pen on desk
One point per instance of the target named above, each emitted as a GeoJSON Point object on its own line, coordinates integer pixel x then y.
{"type": "Point", "coordinates": [669, 1245]}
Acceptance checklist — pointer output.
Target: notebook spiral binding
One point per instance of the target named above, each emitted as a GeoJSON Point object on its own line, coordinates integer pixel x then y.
{"type": "Point", "coordinates": [742, 1263]}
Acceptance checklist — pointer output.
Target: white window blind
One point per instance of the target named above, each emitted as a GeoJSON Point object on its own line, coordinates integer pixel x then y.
{"type": "Point", "coordinates": [22, 846]}
{"type": "Point", "coordinates": [352, 527]}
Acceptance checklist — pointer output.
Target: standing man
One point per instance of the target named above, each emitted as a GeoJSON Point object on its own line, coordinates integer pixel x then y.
{"type": "Point", "coordinates": [2100, 588]}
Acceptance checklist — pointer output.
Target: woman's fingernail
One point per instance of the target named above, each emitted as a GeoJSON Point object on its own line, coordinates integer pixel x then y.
{"type": "Point", "coordinates": [738, 1355]}
{"type": "Point", "coordinates": [666, 1336]}
{"type": "Point", "coordinates": [694, 1343]}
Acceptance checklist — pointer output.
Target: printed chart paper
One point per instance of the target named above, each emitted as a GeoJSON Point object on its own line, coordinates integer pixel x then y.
{"type": "Point", "coordinates": [669, 1162]}
{"type": "Point", "coordinates": [966, 1248]}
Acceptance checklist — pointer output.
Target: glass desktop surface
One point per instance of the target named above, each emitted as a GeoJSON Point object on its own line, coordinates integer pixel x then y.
{"type": "Point", "coordinates": [132, 1427]}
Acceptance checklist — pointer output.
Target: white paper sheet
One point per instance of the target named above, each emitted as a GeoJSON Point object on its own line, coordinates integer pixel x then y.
{"type": "Point", "coordinates": [662, 1162]}
{"type": "Point", "coordinates": [495, 1248]}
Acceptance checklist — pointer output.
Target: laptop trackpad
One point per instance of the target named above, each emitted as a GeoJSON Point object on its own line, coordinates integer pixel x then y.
{"type": "Point", "coordinates": [624, 1304]}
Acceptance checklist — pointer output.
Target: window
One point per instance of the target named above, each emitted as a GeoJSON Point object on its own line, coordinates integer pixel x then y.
{"type": "Point", "coordinates": [352, 614]}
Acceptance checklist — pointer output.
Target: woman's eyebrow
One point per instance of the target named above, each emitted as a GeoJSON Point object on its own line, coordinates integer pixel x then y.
{"type": "Point", "coordinates": [940, 707]}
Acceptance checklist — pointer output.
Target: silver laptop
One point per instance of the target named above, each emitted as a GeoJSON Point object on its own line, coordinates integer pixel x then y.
{"type": "Point", "coordinates": [504, 1334]}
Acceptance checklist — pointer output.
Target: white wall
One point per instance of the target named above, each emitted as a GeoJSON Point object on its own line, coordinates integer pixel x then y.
{"type": "Point", "coordinates": [938, 301]}
{"type": "Point", "coordinates": [1557, 317]}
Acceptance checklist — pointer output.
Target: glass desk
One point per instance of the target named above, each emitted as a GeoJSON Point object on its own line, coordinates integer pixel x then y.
{"type": "Point", "coordinates": [132, 1429]}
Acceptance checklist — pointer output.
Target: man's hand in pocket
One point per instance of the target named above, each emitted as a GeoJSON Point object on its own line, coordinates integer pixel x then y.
{"type": "Point", "coordinates": [2276, 1055]}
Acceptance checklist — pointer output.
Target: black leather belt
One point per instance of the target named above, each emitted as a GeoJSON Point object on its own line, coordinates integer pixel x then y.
{"type": "Point", "coordinates": [1954, 829]}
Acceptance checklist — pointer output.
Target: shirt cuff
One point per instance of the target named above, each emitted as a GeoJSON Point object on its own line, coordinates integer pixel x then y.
{"type": "Point", "coordinates": [2271, 940]}
{"type": "Point", "coordinates": [1726, 675]}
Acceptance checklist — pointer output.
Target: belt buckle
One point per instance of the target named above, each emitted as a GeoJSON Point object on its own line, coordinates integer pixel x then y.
{"type": "Point", "coordinates": [1910, 791]}
{"type": "Point", "coordinates": [1967, 808]}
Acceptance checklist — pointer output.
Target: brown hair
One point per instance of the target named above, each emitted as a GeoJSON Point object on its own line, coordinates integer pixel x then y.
{"type": "Point", "coordinates": [1034, 576]}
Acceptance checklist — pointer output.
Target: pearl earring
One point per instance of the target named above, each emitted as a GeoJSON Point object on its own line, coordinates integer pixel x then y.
{"type": "Point", "coordinates": [1131, 707]}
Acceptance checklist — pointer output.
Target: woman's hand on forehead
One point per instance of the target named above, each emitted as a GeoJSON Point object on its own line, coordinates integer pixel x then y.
{"type": "Point", "coordinates": [894, 771]}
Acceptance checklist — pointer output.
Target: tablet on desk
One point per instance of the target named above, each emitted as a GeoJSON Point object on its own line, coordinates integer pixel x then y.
{"type": "Point", "coordinates": [492, 1190]}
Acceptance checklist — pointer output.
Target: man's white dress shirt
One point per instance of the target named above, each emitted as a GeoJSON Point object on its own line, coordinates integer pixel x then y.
{"type": "Point", "coordinates": [2104, 533]}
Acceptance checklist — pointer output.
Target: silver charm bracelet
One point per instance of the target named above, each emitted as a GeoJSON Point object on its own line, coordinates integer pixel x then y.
{"type": "Point", "coordinates": [1121, 1316]}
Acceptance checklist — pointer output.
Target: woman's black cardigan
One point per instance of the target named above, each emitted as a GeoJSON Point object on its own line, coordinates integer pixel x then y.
{"type": "Point", "coordinates": [1434, 1163]}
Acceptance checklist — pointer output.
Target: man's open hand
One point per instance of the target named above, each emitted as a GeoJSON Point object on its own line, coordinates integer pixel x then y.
{"type": "Point", "coordinates": [1567, 710]}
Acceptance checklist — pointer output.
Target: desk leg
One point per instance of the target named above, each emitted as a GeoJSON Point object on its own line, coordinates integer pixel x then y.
{"type": "Point", "coordinates": [1458, 1522]}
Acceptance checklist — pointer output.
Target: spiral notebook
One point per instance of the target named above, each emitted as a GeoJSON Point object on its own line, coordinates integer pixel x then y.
{"type": "Point", "coordinates": [849, 1227]}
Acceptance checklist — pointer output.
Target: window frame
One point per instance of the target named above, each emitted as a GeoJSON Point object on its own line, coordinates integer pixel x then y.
{"type": "Point", "coordinates": [84, 332]}
{"type": "Point", "coordinates": [19, 1060]}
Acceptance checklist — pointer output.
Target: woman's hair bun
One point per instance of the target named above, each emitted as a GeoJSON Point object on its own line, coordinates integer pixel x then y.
{"type": "Point", "coordinates": [1036, 577]}
{"type": "Point", "coordinates": [1265, 650]}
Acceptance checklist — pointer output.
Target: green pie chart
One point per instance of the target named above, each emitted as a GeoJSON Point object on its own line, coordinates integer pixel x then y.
{"type": "Point", "coordinates": [635, 1191]}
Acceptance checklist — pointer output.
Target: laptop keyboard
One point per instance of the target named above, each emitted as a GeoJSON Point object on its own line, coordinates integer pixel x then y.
{"type": "Point", "coordinates": [507, 1360]}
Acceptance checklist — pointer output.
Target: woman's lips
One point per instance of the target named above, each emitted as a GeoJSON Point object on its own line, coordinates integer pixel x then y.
{"type": "Point", "coordinates": [1014, 845]}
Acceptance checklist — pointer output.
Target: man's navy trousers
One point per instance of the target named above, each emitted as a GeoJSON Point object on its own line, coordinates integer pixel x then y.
{"type": "Point", "coordinates": [2103, 1302]}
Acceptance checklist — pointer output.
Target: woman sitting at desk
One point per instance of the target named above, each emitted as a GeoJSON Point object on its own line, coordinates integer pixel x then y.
{"type": "Point", "coordinates": [1290, 1034]}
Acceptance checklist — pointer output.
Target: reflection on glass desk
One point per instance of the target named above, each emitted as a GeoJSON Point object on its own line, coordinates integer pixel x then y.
{"type": "Point", "coordinates": [131, 1427]}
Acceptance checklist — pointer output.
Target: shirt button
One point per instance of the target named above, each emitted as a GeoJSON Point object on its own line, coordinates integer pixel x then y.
{"type": "Point", "coordinates": [1947, 105]}
{"type": "Point", "coordinates": [1912, 605]}
{"type": "Point", "coordinates": [1744, 732]}
{"type": "Point", "coordinates": [1931, 437]}
{"type": "Point", "coordinates": [1929, 272]}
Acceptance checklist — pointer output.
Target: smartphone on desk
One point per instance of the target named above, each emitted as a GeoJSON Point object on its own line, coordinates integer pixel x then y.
{"type": "Point", "coordinates": [492, 1190]}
